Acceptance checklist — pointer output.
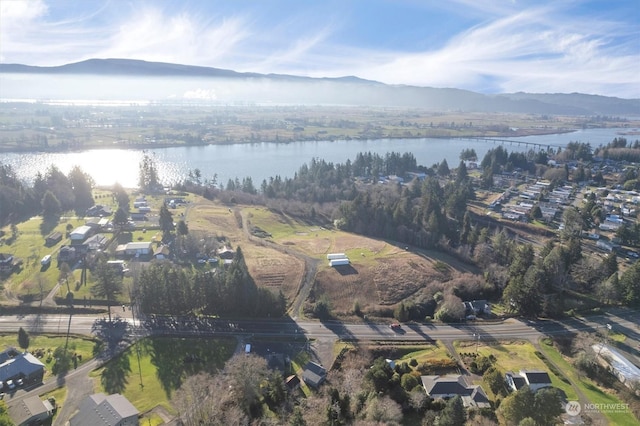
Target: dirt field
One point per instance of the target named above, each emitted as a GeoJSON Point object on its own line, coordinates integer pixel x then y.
{"type": "Point", "coordinates": [380, 274]}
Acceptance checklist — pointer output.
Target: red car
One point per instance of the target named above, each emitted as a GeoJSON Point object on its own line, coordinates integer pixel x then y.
{"type": "Point", "coordinates": [395, 326]}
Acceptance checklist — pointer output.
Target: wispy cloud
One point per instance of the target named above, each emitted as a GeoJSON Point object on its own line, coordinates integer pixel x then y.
{"type": "Point", "coordinates": [493, 46]}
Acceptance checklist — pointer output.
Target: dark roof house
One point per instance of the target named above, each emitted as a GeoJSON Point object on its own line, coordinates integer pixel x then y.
{"type": "Point", "coordinates": [100, 409]}
{"type": "Point", "coordinates": [449, 386]}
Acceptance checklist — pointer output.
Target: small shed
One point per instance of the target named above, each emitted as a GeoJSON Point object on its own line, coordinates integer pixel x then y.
{"type": "Point", "coordinates": [53, 239]}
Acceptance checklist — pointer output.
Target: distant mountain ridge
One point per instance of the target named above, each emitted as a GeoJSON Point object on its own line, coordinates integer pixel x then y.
{"type": "Point", "coordinates": [352, 89]}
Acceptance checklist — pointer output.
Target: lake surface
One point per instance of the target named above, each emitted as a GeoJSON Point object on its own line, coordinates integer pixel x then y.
{"type": "Point", "coordinates": [264, 160]}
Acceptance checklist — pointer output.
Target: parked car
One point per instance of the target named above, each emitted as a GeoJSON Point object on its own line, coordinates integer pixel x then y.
{"type": "Point", "coordinates": [395, 326]}
{"type": "Point", "coordinates": [19, 382]}
{"type": "Point", "coordinates": [46, 260]}
{"type": "Point", "coordinates": [10, 384]}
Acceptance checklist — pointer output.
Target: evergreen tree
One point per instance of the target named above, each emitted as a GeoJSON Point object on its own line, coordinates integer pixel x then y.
{"type": "Point", "coordinates": [51, 207]}
{"type": "Point", "coordinates": [443, 168]}
{"type": "Point", "coordinates": [23, 338]}
{"type": "Point", "coordinates": [107, 282]}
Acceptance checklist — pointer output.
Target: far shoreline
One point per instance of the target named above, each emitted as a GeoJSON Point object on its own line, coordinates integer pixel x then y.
{"type": "Point", "coordinates": [161, 145]}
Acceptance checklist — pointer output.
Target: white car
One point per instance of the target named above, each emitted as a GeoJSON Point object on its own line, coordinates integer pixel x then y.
{"type": "Point", "coordinates": [19, 382]}
{"type": "Point", "coordinates": [10, 384]}
{"type": "Point", "coordinates": [46, 260]}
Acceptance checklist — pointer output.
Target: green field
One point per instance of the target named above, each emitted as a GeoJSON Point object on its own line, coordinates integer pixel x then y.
{"type": "Point", "coordinates": [515, 356]}
{"type": "Point", "coordinates": [148, 373]}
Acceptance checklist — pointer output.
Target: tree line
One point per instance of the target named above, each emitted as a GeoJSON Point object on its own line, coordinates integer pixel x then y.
{"type": "Point", "coordinates": [167, 289]}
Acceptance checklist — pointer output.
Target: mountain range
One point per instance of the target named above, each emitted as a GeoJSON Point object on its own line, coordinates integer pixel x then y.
{"type": "Point", "coordinates": [279, 88]}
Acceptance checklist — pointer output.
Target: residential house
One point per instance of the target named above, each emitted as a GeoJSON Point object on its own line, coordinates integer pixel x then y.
{"type": "Point", "coordinates": [226, 253]}
{"type": "Point", "coordinates": [6, 262]}
{"type": "Point", "coordinates": [97, 242]}
{"type": "Point", "coordinates": [98, 211]}
{"type": "Point", "coordinates": [535, 379]}
{"type": "Point", "coordinates": [15, 365]}
{"type": "Point", "coordinates": [292, 383]}
{"type": "Point", "coordinates": [135, 249]}
{"type": "Point", "coordinates": [31, 411]}
{"type": "Point", "coordinates": [477, 307]}
{"type": "Point", "coordinates": [451, 385]}
{"type": "Point", "coordinates": [80, 234]}
{"type": "Point", "coordinates": [314, 374]}
{"type": "Point", "coordinates": [111, 410]}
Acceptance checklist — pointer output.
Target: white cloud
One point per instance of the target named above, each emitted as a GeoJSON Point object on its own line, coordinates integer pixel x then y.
{"type": "Point", "coordinates": [151, 35]}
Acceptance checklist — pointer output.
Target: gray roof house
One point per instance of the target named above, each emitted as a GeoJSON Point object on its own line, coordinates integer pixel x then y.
{"type": "Point", "coordinates": [451, 385]}
{"type": "Point", "coordinates": [314, 374]}
{"type": "Point", "coordinates": [30, 411]}
{"type": "Point", "coordinates": [102, 410]}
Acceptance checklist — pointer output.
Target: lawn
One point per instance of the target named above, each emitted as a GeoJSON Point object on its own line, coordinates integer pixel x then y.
{"type": "Point", "coordinates": [515, 356]}
{"type": "Point", "coordinates": [163, 363]}
{"type": "Point", "coordinates": [595, 394]}
{"type": "Point", "coordinates": [45, 344]}
{"type": "Point", "coordinates": [29, 247]}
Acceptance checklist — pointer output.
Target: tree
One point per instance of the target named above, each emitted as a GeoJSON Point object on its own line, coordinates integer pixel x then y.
{"type": "Point", "coordinates": [107, 282]}
{"type": "Point", "coordinates": [51, 207]}
{"type": "Point", "coordinates": [548, 406]}
{"type": "Point", "coordinates": [401, 313]}
{"type": "Point", "coordinates": [517, 406]}
{"type": "Point", "coordinates": [443, 168]}
{"type": "Point", "coordinates": [81, 184]}
{"type": "Point", "coordinates": [630, 285]}
{"type": "Point", "coordinates": [494, 380]}
{"type": "Point", "coordinates": [122, 197]}
{"type": "Point", "coordinates": [573, 224]}
{"type": "Point", "coordinates": [182, 228]}
{"type": "Point", "coordinates": [64, 273]}
{"type": "Point", "coordinates": [5, 419]}
{"type": "Point", "coordinates": [23, 338]}
{"type": "Point", "coordinates": [453, 413]}
{"type": "Point", "coordinates": [120, 218]}
{"type": "Point", "coordinates": [165, 220]}
{"type": "Point", "coordinates": [148, 178]}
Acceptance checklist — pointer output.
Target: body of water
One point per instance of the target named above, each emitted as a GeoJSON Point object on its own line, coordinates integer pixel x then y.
{"type": "Point", "coordinates": [263, 160]}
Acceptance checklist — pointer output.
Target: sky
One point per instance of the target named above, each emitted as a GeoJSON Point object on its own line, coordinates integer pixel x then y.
{"type": "Point", "coordinates": [488, 46]}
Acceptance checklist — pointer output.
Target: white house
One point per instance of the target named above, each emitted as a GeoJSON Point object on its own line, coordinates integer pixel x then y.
{"type": "Point", "coordinates": [535, 379]}
{"type": "Point", "coordinates": [80, 234]}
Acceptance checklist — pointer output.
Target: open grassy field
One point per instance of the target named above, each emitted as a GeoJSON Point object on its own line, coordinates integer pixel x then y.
{"type": "Point", "coordinates": [515, 356]}
{"type": "Point", "coordinates": [148, 373]}
{"type": "Point", "coordinates": [31, 278]}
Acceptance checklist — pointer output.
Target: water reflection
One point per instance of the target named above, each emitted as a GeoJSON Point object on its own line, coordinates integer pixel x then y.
{"type": "Point", "coordinates": [263, 160]}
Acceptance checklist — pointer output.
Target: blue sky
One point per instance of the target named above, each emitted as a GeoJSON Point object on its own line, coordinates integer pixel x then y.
{"type": "Point", "coordinates": [489, 46]}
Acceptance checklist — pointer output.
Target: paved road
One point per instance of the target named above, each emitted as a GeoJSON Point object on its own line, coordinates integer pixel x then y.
{"type": "Point", "coordinates": [624, 321]}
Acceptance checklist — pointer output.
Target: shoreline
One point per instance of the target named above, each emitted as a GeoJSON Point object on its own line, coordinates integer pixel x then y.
{"type": "Point", "coordinates": [149, 146]}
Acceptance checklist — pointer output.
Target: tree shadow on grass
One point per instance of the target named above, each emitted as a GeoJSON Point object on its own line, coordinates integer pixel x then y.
{"type": "Point", "coordinates": [177, 358]}
{"type": "Point", "coordinates": [115, 375]}
{"type": "Point", "coordinates": [48, 225]}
